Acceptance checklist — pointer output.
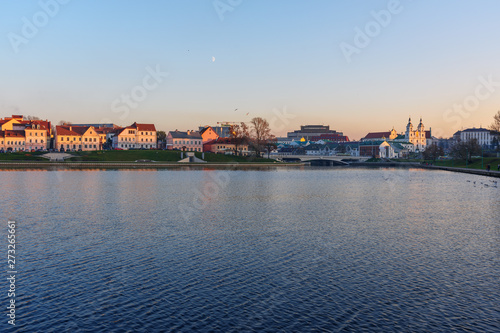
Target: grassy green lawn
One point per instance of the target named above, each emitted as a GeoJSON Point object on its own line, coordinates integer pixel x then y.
{"type": "Point", "coordinates": [154, 155]}
{"type": "Point", "coordinates": [476, 163]}
{"type": "Point", "coordinates": [22, 156]}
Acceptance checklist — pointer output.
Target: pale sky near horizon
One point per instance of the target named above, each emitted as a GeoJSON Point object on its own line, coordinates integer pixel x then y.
{"type": "Point", "coordinates": [231, 60]}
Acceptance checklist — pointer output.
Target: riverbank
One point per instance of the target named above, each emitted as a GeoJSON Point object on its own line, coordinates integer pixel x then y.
{"type": "Point", "coordinates": [426, 166]}
{"type": "Point", "coordinates": [142, 165]}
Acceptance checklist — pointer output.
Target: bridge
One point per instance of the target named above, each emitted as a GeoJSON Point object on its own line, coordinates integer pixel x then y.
{"type": "Point", "coordinates": [320, 160]}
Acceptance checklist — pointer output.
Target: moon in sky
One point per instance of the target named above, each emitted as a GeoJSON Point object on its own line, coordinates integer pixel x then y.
{"type": "Point", "coordinates": [213, 59]}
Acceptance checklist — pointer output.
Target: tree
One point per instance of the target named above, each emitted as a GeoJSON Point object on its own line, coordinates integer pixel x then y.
{"type": "Point", "coordinates": [496, 123]}
{"type": "Point", "coordinates": [341, 149]}
{"type": "Point", "coordinates": [271, 144]}
{"type": "Point", "coordinates": [261, 134]}
{"type": "Point", "coordinates": [432, 152]}
{"type": "Point", "coordinates": [161, 136]}
{"type": "Point", "coordinates": [239, 135]}
{"type": "Point", "coordinates": [64, 123]}
{"type": "Point", "coordinates": [32, 118]}
{"type": "Point", "coordinates": [464, 150]}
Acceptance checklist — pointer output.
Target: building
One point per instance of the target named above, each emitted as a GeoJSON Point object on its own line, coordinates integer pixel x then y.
{"type": "Point", "coordinates": [308, 132]}
{"type": "Point", "coordinates": [417, 137]}
{"type": "Point", "coordinates": [7, 123]}
{"type": "Point", "coordinates": [77, 138]}
{"type": "Point", "coordinates": [208, 134]}
{"type": "Point", "coordinates": [12, 140]}
{"type": "Point", "coordinates": [393, 150]}
{"type": "Point", "coordinates": [135, 136]}
{"type": "Point", "coordinates": [185, 141]}
{"type": "Point", "coordinates": [370, 148]}
{"type": "Point", "coordinates": [226, 146]}
{"type": "Point", "coordinates": [333, 137]}
{"type": "Point", "coordinates": [35, 134]}
{"type": "Point", "coordinates": [372, 136]}
{"type": "Point", "coordinates": [223, 128]}
{"type": "Point", "coordinates": [485, 137]}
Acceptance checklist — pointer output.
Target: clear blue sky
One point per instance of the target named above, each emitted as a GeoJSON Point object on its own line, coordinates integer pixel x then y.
{"type": "Point", "coordinates": [269, 55]}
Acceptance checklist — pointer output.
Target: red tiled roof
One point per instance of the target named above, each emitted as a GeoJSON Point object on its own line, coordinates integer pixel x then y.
{"type": "Point", "coordinates": [64, 130]}
{"type": "Point", "coordinates": [377, 135]}
{"type": "Point", "coordinates": [144, 127]}
{"type": "Point", "coordinates": [14, 134]}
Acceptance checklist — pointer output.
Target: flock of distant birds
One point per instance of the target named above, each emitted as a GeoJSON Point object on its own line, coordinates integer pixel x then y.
{"type": "Point", "coordinates": [495, 183]}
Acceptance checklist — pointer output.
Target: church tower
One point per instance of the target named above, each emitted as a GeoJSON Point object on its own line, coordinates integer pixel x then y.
{"type": "Point", "coordinates": [409, 131]}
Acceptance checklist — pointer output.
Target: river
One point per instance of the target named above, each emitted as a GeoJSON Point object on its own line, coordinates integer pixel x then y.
{"type": "Point", "coordinates": [292, 250]}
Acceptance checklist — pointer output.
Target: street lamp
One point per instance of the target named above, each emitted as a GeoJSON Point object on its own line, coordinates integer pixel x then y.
{"type": "Point", "coordinates": [482, 157]}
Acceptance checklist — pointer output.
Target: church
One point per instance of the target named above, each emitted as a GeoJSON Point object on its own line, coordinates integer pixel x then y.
{"type": "Point", "coordinates": [418, 136]}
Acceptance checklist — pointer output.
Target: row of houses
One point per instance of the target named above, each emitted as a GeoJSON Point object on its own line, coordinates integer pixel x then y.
{"type": "Point", "coordinates": [19, 134]}
{"type": "Point", "coordinates": [207, 139]}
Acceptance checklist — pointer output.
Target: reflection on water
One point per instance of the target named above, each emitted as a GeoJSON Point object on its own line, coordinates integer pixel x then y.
{"type": "Point", "coordinates": [276, 250]}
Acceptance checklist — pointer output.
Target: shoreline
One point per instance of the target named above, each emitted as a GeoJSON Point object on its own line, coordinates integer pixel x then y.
{"type": "Point", "coordinates": [235, 166]}
{"type": "Point", "coordinates": [137, 165]}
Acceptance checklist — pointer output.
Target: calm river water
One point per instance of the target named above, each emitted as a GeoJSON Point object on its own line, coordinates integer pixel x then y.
{"type": "Point", "coordinates": [289, 250]}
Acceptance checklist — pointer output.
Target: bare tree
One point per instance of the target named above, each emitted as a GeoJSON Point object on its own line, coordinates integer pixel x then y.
{"type": "Point", "coordinates": [464, 150]}
{"type": "Point", "coordinates": [239, 135]}
{"type": "Point", "coordinates": [32, 118]}
{"type": "Point", "coordinates": [271, 144]}
{"type": "Point", "coordinates": [432, 152]}
{"type": "Point", "coordinates": [64, 123]}
{"type": "Point", "coordinates": [261, 134]}
{"type": "Point", "coordinates": [496, 123]}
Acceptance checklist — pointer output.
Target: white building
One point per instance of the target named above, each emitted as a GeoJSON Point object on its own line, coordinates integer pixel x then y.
{"type": "Point", "coordinates": [188, 141]}
{"type": "Point", "coordinates": [135, 136]}
{"type": "Point", "coordinates": [484, 137]}
{"type": "Point", "coordinates": [417, 137]}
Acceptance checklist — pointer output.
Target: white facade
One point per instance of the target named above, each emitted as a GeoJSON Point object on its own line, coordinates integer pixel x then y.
{"type": "Point", "coordinates": [416, 137]}
{"type": "Point", "coordinates": [483, 136]}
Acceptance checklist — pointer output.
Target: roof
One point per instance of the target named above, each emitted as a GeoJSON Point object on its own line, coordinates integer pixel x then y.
{"type": "Point", "coordinates": [144, 127]}
{"type": "Point", "coordinates": [377, 135]}
{"type": "Point", "coordinates": [206, 128]}
{"type": "Point", "coordinates": [185, 135]}
{"type": "Point", "coordinates": [72, 130]}
{"type": "Point", "coordinates": [14, 134]}
{"type": "Point", "coordinates": [477, 130]}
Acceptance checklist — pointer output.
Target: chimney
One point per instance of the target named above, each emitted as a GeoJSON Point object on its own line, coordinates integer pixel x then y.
{"type": "Point", "coordinates": [71, 128]}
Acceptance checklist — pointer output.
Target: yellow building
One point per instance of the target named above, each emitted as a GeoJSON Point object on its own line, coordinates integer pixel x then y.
{"type": "Point", "coordinates": [12, 140]}
{"type": "Point", "coordinates": [135, 136]}
{"type": "Point", "coordinates": [76, 138]}
{"type": "Point", "coordinates": [37, 137]}
{"type": "Point", "coordinates": [417, 137]}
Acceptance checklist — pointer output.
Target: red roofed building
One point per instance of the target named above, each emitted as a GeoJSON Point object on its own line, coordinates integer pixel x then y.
{"type": "Point", "coordinates": [135, 136]}
{"type": "Point", "coordinates": [76, 138]}
{"type": "Point", "coordinates": [12, 140]}
{"type": "Point", "coordinates": [372, 136]}
{"type": "Point", "coordinates": [226, 146]}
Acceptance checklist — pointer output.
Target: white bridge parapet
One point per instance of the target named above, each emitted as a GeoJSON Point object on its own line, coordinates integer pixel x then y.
{"type": "Point", "coordinates": [338, 159]}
